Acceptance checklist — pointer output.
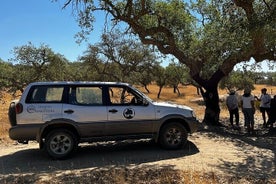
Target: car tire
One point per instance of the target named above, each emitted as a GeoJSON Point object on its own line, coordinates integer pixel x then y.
{"type": "Point", "coordinates": [60, 143]}
{"type": "Point", "coordinates": [12, 114]}
{"type": "Point", "coordinates": [173, 136]}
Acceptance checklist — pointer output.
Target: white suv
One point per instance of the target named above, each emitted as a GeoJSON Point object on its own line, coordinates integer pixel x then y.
{"type": "Point", "coordinates": [59, 115]}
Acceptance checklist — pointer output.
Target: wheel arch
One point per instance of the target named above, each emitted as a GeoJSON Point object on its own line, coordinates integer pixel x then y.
{"type": "Point", "coordinates": [56, 124]}
{"type": "Point", "coordinates": [173, 119]}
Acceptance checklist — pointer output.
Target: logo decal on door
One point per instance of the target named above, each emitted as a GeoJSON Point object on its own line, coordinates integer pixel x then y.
{"type": "Point", "coordinates": [40, 109]}
{"type": "Point", "coordinates": [129, 113]}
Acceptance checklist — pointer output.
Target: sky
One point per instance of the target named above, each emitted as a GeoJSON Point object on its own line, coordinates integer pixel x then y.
{"type": "Point", "coordinates": [41, 22]}
{"type": "Point", "coordinates": [45, 22]}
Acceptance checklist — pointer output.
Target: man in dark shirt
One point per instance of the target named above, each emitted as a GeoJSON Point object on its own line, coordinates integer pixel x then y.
{"type": "Point", "coordinates": [272, 114]}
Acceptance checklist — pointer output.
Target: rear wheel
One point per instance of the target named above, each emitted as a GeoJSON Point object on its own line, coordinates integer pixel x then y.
{"type": "Point", "coordinates": [12, 114]}
{"type": "Point", "coordinates": [60, 143]}
{"type": "Point", "coordinates": [173, 136]}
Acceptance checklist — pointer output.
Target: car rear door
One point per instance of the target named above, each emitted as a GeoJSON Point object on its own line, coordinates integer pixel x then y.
{"type": "Point", "coordinates": [43, 103]}
{"type": "Point", "coordinates": [86, 108]}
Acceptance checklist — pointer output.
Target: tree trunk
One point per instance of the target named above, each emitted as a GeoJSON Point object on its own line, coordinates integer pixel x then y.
{"type": "Point", "coordinates": [159, 92]}
{"type": "Point", "coordinates": [212, 110]}
{"type": "Point", "coordinates": [146, 88]}
{"type": "Point", "coordinates": [210, 96]}
{"type": "Point", "coordinates": [176, 90]}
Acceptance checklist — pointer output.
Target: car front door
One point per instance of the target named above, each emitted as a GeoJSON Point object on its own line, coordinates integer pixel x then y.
{"type": "Point", "coordinates": [127, 114]}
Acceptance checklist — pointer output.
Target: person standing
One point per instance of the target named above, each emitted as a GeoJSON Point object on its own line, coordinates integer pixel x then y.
{"type": "Point", "coordinates": [272, 113]}
{"type": "Point", "coordinates": [233, 107]}
{"type": "Point", "coordinates": [248, 109]}
{"type": "Point", "coordinates": [265, 105]}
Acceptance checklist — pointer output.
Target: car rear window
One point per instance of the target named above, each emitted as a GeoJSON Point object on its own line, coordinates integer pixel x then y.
{"type": "Point", "coordinates": [45, 94]}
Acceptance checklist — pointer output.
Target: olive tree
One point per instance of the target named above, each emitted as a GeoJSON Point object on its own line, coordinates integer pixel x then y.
{"type": "Point", "coordinates": [119, 58]}
{"type": "Point", "coordinates": [177, 74]}
{"type": "Point", "coordinates": [145, 74]}
{"type": "Point", "coordinates": [237, 80]}
{"type": "Point", "coordinates": [31, 63]}
{"type": "Point", "coordinates": [209, 37]}
{"type": "Point", "coordinates": [161, 77]}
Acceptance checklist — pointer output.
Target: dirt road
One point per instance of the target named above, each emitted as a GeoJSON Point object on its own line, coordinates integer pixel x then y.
{"type": "Point", "coordinates": [220, 151]}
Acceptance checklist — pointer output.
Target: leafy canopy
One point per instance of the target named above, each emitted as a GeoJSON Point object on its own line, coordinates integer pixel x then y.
{"type": "Point", "coordinates": [209, 37]}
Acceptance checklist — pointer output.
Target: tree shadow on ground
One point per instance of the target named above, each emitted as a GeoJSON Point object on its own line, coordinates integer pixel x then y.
{"type": "Point", "coordinates": [92, 156]}
{"type": "Point", "coordinates": [261, 164]}
{"type": "Point", "coordinates": [105, 175]}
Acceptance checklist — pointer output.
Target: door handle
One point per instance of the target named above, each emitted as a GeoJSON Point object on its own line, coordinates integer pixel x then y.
{"type": "Point", "coordinates": [113, 110]}
{"type": "Point", "coordinates": [69, 111]}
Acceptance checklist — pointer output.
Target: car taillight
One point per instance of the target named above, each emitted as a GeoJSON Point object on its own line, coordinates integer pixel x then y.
{"type": "Point", "coordinates": [18, 108]}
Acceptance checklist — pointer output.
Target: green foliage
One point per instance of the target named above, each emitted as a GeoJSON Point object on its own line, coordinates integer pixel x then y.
{"type": "Point", "coordinates": [238, 81]}
{"type": "Point", "coordinates": [160, 78]}
{"type": "Point", "coordinates": [118, 58]}
{"type": "Point", "coordinates": [31, 63]}
{"type": "Point", "coordinates": [175, 16]}
{"type": "Point", "coordinates": [177, 73]}
{"type": "Point", "coordinates": [6, 70]}
{"type": "Point", "coordinates": [268, 78]}
{"type": "Point", "coordinates": [12, 78]}
{"type": "Point", "coordinates": [207, 36]}
{"type": "Point", "coordinates": [221, 33]}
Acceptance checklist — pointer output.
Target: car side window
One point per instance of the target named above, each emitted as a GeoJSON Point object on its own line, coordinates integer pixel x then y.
{"type": "Point", "coordinates": [88, 95]}
{"type": "Point", "coordinates": [45, 94]}
{"type": "Point", "coordinates": [122, 96]}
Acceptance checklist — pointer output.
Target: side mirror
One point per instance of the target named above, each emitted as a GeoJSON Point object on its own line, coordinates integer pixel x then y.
{"type": "Point", "coordinates": [145, 102]}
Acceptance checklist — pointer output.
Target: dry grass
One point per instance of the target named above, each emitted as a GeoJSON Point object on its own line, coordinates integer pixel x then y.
{"type": "Point", "coordinates": [123, 175]}
{"type": "Point", "coordinates": [189, 95]}
{"type": "Point", "coordinates": [4, 121]}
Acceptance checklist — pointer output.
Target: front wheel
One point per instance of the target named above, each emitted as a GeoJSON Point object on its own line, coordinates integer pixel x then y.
{"type": "Point", "coordinates": [173, 136]}
{"type": "Point", "coordinates": [60, 143]}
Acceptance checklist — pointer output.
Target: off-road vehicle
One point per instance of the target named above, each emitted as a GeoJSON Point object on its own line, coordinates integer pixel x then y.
{"type": "Point", "coordinates": [60, 115]}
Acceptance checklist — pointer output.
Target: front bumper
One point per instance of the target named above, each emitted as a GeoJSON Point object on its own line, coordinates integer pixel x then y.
{"type": "Point", "coordinates": [193, 124]}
